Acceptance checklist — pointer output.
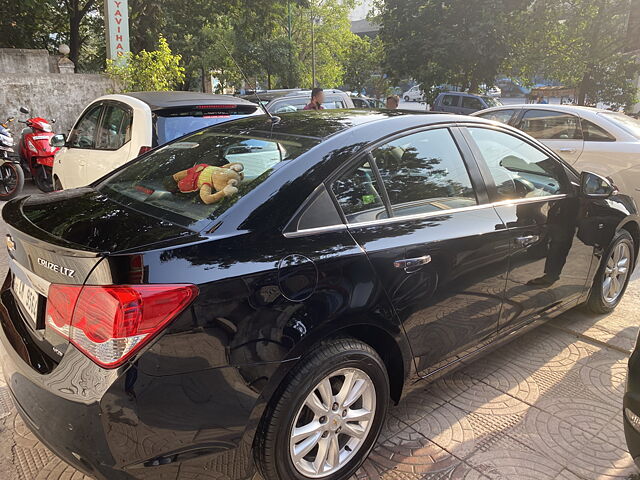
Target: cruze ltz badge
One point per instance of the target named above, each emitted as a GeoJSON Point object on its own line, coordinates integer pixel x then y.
{"type": "Point", "coordinates": [56, 268]}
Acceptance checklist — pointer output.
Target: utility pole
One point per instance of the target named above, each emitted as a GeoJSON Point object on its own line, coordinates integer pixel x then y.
{"type": "Point", "coordinates": [290, 75]}
{"type": "Point", "coordinates": [313, 47]}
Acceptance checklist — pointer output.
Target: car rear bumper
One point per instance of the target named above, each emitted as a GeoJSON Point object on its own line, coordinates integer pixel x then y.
{"type": "Point", "coordinates": [122, 424]}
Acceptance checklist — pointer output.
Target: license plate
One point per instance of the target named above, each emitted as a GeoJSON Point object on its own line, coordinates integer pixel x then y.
{"type": "Point", "coordinates": [28, 298]}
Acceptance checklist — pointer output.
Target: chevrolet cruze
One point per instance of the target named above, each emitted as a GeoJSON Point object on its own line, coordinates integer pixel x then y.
{"type": "Point", "coordinates": [148, 333]}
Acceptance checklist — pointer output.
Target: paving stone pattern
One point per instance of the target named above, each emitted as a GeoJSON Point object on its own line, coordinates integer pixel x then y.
{"type": "Point", "coordinates": [546, 406]}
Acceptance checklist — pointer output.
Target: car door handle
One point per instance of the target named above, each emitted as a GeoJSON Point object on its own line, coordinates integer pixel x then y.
{"type": "Point", "coordinates": [527, 240]}
{"type": "Point", "coordinates": [567, 150]}
{"type": "Point", "coordinates": [409, 263]}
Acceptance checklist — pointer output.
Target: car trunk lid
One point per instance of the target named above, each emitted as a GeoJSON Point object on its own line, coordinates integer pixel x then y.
{"type": "Point", "coordinates": [62, 238]}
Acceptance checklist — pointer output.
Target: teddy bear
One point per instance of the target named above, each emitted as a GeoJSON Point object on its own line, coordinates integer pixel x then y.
{"type": "Point", "coordinates": [213, 183]}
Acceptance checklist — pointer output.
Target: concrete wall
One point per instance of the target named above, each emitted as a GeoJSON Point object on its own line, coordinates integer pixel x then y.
{"type": "Point", "coordinates": [17, 60]}
{"type": "Point", "coordinates": [50, 95]}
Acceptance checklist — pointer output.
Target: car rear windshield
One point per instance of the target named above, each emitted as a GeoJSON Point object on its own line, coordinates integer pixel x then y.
{"type": "Point", "coordinates": [167, 182]}
{"type": "Point", "coordinates": [173, 123]}
{"type": "Point", "coordinates": [627, 123]}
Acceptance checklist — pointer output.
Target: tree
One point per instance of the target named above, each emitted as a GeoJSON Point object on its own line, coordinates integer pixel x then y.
{"type": "Point", "coordinates": [462, 42]}
{"type": "Point", "coordinates": [581, 44]}
{"type": "Point", "coordinates": [362, 61]}
{"type": "Point", "coordinates": [148, 71]}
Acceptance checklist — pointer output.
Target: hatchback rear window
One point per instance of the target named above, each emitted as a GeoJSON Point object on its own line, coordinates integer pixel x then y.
{"type": "Point", "coordinates": [174, 123]}
{"type": "Point", "coordinates": [184, 181]}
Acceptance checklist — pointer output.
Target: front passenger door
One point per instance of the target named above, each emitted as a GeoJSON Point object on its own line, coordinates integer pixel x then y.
{"type": "Point", "coordinates": [439, 250]}
{"type": "Point", "coordinates": [549, 259]}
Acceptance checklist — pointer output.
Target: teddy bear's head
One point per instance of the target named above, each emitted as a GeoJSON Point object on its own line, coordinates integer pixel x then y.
{"type": "Point", "coordinates": [227, 179]}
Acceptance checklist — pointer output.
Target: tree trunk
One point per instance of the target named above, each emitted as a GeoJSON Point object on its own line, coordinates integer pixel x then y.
{"type": "Point", "coordinates": [74, 38]}
{"type": "Point", "coordinates": [582, 89]}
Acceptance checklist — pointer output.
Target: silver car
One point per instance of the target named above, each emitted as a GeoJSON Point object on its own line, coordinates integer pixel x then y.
{"type": "Point", "coordinates": [590, 139]}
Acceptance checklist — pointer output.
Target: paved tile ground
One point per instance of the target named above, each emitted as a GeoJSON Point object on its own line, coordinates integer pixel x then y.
{"type": "Point", "coordinates": [546, 406]}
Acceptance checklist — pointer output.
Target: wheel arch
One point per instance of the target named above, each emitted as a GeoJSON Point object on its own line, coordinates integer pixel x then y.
{"type": "Point", "coordinates": [634, 230]}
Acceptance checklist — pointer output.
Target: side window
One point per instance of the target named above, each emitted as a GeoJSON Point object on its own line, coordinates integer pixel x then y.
{"type": "Point", "coordinates": [549, 125]}
{"type": "Point", "coordinates": [519, 170]}
{"type": "Point", "coordinates": [472, 103]}
{"type": "Point", "coordinates": [424, 172]}
{"type": "Point", "coordinates": [502, 116]}
{"type": "Point", "coordinates": [115, 128]}
{"type": "Point", "coordinates": [450, 100]}
{"type": "Point", "coordinates": [593, 133]}
{"type": "Point", "coordinates": [358, 194]}
{"type": "Point", "coordinates": [85, 132]}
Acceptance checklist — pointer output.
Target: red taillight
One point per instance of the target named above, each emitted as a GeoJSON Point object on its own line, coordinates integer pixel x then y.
{"type": "Point", "coordinates": [144, 149]}
{"type": "Point", "coordinates": [110, 323]}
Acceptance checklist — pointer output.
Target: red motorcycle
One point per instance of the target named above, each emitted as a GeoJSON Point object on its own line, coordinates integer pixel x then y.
{"type": "Point", "coordinates": [36, 154]}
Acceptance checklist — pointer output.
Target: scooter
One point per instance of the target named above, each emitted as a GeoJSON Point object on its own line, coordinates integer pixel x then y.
{"type": "Point", "coordinates": [35, 151]}
{"type": "Point", "coordinates": [11, 174]}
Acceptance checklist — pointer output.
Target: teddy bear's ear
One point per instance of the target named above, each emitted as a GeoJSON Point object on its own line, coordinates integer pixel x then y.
{"type": "Point", "coordinates": [238, 167]}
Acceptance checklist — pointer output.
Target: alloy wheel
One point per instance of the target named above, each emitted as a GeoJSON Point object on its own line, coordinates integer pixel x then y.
{"type": "Point", "coordinates": [333, 423]}
{"type": "Point", "coordinates": [616, 272]}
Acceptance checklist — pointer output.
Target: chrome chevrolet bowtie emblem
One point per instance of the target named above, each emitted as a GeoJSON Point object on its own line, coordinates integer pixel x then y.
{"type": "Point", "coordinates": [11, 245]}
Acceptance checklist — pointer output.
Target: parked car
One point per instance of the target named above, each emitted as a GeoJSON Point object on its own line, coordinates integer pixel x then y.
{"type": "Point", "coordinates": [114, 129]}
{"type": "Point", "coordinates": [367, 102]}
{"type": "Point", "coordinates": [146, 334]}
{"type": "Point", "coordinates": [294, 101]}
{"type": "Point", "coordinates": [589, 139]}
{"type": "Point", "coordinates": [463, 103]}
{"type": "Point", "coordinates": [494, 91]}
{"type": "Point", "coordinates": [414, 94]}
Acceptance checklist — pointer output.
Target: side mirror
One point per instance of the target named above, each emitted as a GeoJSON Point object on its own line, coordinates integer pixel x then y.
{"type": "Point", "coordinates": [58, 140]}
{"type": "Point", "coordinates": [24, 110]}
{"type": "Point", "coordinates": [593, 185]}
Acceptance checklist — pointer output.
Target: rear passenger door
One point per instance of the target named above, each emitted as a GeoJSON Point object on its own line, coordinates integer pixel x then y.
{"type": "Point", "coordinates": [439, 249]}
{"type": "Point", "coordinates": [559, 131]}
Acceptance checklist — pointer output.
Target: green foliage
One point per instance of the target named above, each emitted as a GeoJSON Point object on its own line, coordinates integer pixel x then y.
{"type": "Point", "coordinates": [148, 71]}
{"type": "Point", "coordinates": [362, 63]}
{"type": "Point", "coordinates": [461, 42]}
{"type": "Point", "coordinates": [578, 43]}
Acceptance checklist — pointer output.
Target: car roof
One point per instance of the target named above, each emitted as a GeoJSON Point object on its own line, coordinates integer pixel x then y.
{"type": "Point", "coordinates": [160, 100]}
{"type": "Point", "coordinates": [548, 106]}
{"type": "Point", "coordinates": [464, 94]}
{"type": "Point", "coordinates": [321, 124]}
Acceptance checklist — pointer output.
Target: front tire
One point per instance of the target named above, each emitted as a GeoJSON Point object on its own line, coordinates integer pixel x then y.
{"type": "Point", "coordinates": [613, 275]}
{"type": "Point", "coordinates": [327, 416]}
{"type": "Point", "coordinates": [44, 178]}
{"type": "Point", "coordinates": [406, 98]}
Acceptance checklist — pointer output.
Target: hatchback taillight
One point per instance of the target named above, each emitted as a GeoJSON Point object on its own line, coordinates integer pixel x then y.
{"type": "Point", "coordinates": [110, 323]}
{"type": "Point", "coordinates": [144, 149]}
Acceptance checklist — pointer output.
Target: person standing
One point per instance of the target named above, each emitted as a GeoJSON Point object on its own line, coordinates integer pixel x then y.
{"type": "Point", "coordinates": [392, 102]}
{"type": "Point", "coordinates": [317, 98]}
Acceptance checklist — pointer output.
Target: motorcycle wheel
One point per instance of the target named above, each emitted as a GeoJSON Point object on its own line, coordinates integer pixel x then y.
{"type": "Point", "coordinates": [11, 180]}
{"type": "Point", "coordinates": [44, 178]}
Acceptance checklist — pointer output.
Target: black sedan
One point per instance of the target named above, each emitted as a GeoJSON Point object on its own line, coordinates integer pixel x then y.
{"type": "Point", "coordinates": [255, 294]}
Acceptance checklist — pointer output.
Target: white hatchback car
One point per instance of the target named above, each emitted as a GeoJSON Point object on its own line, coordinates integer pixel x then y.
{"type": "Point", "coordinates": [114, 129]}
{"type": "Point", "coordinates": [589, 139]}
{"type": "Point", "coordinates": [414, 94]}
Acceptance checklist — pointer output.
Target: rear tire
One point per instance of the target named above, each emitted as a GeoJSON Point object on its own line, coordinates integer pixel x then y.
{"type": "Point", "coordinates": [612, 277]}
{"type": "Point", "coordinates": [57, 185]}
{"type": "Point", "coordinates": [334, 383]}
{"type": "Point", "coordinates": [11, 180]}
